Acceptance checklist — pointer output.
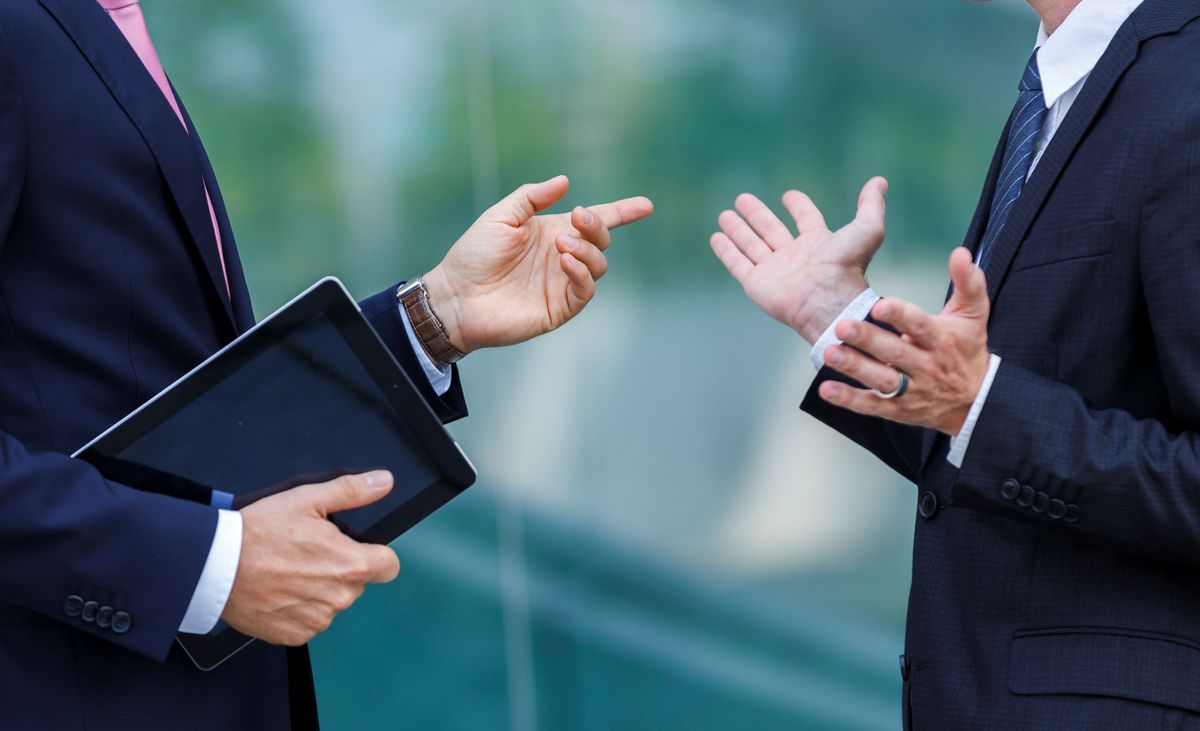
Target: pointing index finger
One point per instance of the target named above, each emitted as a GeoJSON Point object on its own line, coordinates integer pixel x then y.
{"type": "Point", "coordinates": [623, 212]}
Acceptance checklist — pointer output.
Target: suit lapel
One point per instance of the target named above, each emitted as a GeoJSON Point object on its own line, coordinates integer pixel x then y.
{"type": "Point", "coordinates": [983, 209]}
{"type": "Point", "coordinates": [1112, 65]}
{"type": "Point", "coordinates": [974, 234]}
{"type": "Point", "coordinates": [243, 312]}
{"type": "Point", "coordinates": [114, 61]}
{"type": "Point", "coordinates": [1152, 18]}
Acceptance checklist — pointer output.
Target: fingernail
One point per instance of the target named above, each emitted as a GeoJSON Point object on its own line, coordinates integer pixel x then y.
{"type": "Point", "coordinates": [587, 217]}
{"type": "Point", "coordinates": [571, 243]}
{"type": "Point", "coordinates": [834, 357]}
{"type": "Point", "coordinates": [378, 478]}
{"type": "Point", "coordinates": [851, 332]}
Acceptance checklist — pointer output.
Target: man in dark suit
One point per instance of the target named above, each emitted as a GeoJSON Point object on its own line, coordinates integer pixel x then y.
{"type": "Point", "coordinates": [118, 274]}
{"type": "Point", "coordinates": [1050, 414]}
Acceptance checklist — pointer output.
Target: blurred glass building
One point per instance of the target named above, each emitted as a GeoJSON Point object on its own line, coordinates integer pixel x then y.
{"type": "Point", "coordinates": [659, 539]}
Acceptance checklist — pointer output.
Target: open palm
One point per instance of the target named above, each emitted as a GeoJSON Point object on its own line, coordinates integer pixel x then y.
{"type": "Point", "coordinates": [803, 281]}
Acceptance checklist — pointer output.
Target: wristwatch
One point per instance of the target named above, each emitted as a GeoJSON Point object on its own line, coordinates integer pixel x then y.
{"type": "Point", "coordinates": [413, 297]}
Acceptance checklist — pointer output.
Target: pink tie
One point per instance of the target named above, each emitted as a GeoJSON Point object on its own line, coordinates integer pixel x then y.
{"type": "Point", "coordinates": [128, 17]}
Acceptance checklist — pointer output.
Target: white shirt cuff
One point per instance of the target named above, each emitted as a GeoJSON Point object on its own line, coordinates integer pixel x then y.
{"type": "Point", "coordinates": [959, 443]}
{"type": "Point", "coordinates": [216, 580]}
{"type": "Point", "coordinates": [440, 376]}
{"type": "Point", "coordinates": [857, 310]}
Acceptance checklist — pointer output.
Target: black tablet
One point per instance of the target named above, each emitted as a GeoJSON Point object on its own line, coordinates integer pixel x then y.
{"type": "Point", "coordinates": [309, 394]}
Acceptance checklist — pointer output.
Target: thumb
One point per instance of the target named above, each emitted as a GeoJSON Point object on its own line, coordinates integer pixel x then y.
{"type": "Point", "coordinates": [530, 199]}
{"type": "Point", "coordinates": [348, 492]}
{"type": "Point", "coordinates": [872, 207]}
{"type": "Point", "coordinates": [970, 297]}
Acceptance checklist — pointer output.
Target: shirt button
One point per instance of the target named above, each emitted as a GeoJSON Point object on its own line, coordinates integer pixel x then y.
{"type": "Point", "coordinates": [89, 611]}
{"type": "Point", "coordinates": [104, 616]}
{"type": "Point", "coordinates": [121, 622]}
{"type": "Point", "coordinates": [73, 605]}
{"type": "Point", "coordinates": [927, 506]}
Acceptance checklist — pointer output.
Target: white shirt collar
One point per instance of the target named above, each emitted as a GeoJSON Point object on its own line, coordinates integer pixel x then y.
{"type": "Point", "coordinates": [1071, 52]}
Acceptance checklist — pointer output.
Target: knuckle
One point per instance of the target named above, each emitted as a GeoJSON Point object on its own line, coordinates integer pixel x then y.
{"type": "Point", "coordinates": [344, 599]}
{"type": "Point", "coordinates": [348, 484]}
{"type": "Point", "coordinates": [356, 571]}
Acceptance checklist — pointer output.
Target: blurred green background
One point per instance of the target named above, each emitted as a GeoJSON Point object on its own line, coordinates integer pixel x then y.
{"type": "Point", "coordinates": [659, 538]}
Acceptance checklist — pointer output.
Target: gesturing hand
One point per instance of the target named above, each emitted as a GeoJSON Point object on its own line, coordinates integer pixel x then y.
{"type": "Point", "coordinates": [804, 282]}
{"type": "Point", "coordinates": [515, 275]}
{"type": "Point", "coordinates": [297, 571]}
{"type": "Point", "coordinates": [945, 356]}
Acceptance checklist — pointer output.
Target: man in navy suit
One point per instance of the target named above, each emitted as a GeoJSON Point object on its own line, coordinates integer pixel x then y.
{"type": "Point", "coordinates": [1050, 414]}
{"type": "Point", "coordinates": [118, 274]}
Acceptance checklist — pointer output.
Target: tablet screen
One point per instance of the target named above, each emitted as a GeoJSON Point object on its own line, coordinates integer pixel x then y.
{"type": "Point", "coordinates": [302, 410]}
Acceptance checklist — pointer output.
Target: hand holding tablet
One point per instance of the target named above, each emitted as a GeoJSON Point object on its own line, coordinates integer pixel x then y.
{"type": "Point", "coordinates": [309, 396]}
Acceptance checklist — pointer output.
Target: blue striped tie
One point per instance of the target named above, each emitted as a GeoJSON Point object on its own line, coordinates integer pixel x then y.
{"type": "Point", "coordinates": [1028, 116]}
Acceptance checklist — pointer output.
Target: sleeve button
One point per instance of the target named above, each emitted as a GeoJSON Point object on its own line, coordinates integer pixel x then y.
{"type": "Point", "coordinates": [89, 611]}
{"type": "Point", "coordinates": [1025, 499]}
{"type": "Point", "coordinates": [1057, 509]}
{"type": "Point", "coordinates": [73, 605]}
{"type": "Point", "coordinates": [104, 616]}
{"type": "Point", "coordinates": [1073, 514]}
{"type": "Point", "coordinates": [1041, 503]}
{"type": "Point", "coordinates": [121, 622]}
{"type": "Point", "coordinates": [1009, 489]}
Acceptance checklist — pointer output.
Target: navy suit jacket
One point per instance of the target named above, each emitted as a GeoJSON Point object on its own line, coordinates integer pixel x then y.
{"type": "Point", "coordinates": [110, 289]}
{"type": "Point", "coordinates": [1056, 575]}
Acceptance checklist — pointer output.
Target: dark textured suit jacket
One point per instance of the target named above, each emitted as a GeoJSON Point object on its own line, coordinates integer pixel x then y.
{"type": "Point", "coordinates": [110, 289]}
{"type": "Point", "coordinates": [1056, 576]}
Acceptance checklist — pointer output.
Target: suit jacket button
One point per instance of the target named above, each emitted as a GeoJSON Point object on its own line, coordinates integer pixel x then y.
{"type": "Point", "coordinates": [89, 611]}
{"type": "Point", "coordinates": [1025, 499]}
{"type": "Point", "coordinates": [104, 616]}
{"type": "Point", "coordinates": [927, 506]}
{"type": "Point", "coordinates": [1057, 509]}
{"type": "Point", "coordinates": [73, 605]}
{"type": "Point", "coordinates": [1010, 489]}
{"type": "Point", "coordinates": [1041, 503]}
{"type": "Point", "coordinates": [121, 622]}
{"type": "Point", "coordinates": [1073, 514]}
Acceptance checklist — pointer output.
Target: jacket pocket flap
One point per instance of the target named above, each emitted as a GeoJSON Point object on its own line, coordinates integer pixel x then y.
{"type": "Point", "coordinates": [1101, 661]}
{"type": "Point", "coordinates": [1077, 242]}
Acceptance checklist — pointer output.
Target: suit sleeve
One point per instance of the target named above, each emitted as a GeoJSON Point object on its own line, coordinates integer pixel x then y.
{"type": "Point", "coordinates": [383, 312]}
{"type": "Point", "coordinates": [1040, 448]}
{"type": "Point", "coordinates": [66, 534]}
{"type": "Point", "coordinates": [896, 445]}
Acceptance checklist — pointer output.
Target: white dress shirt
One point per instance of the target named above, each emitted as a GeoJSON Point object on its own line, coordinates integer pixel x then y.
{"type": "Point", "coordinates": [220, 568]}
{"type": "Point", "coordinates": [1065, 60]}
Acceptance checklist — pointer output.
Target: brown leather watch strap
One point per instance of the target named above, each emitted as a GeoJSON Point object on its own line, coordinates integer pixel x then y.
{"type": "Point", "coordinates": [427, 326]}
